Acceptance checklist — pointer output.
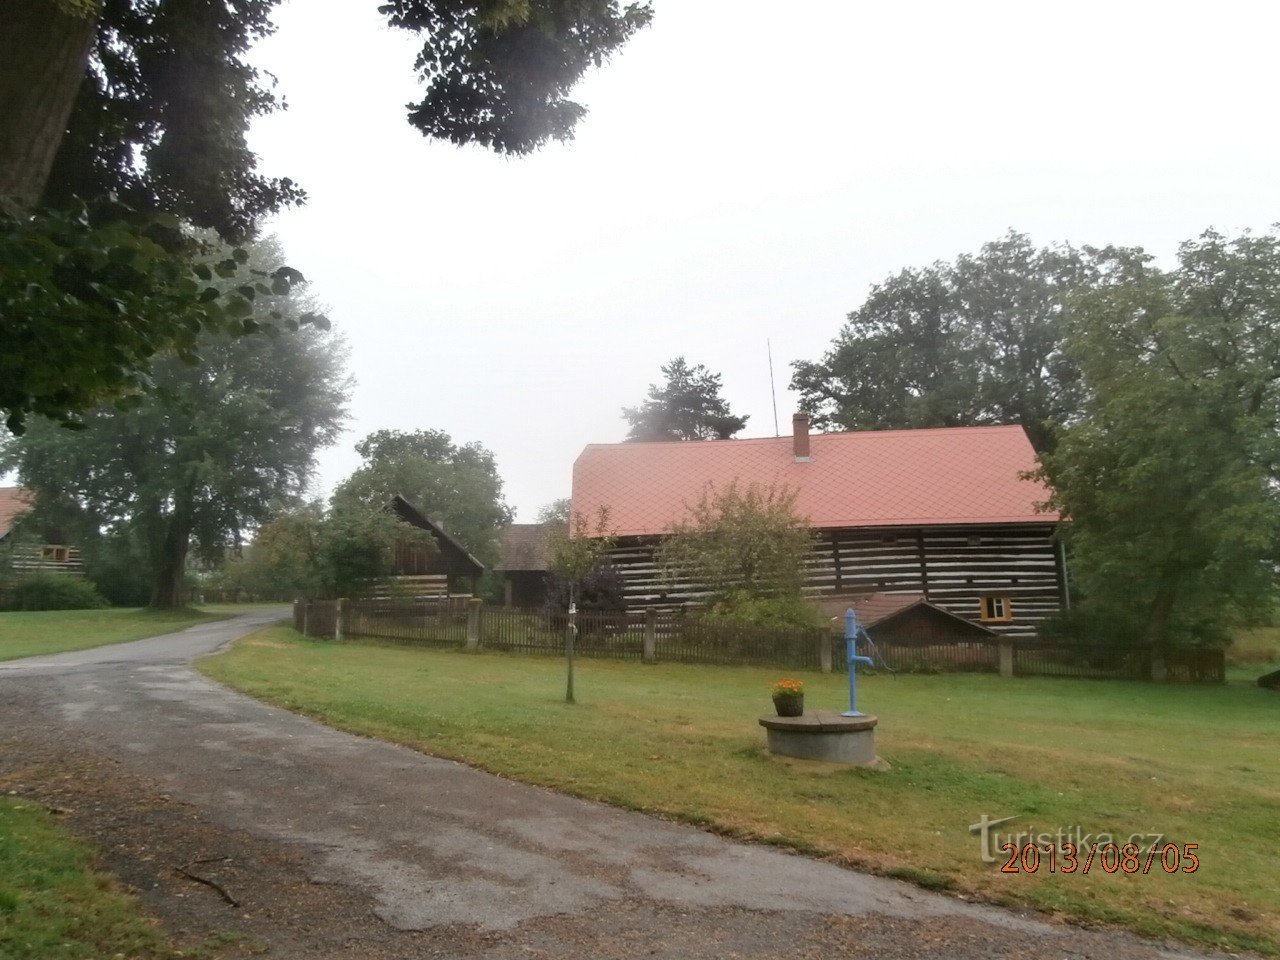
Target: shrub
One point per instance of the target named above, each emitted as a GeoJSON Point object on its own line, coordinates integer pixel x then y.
{"type": "Point", "coordinates": [785, 610]}
{"type": "Point", "coordinates": [50, 591]}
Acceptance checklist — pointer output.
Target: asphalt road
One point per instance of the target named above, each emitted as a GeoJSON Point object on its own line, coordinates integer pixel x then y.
{"type": "Point", "coordinates": [432, 845]}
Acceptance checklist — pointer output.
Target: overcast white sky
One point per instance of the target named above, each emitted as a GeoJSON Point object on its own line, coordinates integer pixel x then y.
{"type": "Point", "coordinates": [742, 176]}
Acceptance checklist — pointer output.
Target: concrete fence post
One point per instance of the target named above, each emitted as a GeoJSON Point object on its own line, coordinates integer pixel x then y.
{"type": "Point", "coordinates": [473, 623]}
{"type": "Point", "coordinates": [650, 635]}
{"type": "Point", "coordinates": [824, 652]}
{"type": "Point", "coordinates": [1006, 658]}
{"type": "Point", "coordinates": [337, 619]}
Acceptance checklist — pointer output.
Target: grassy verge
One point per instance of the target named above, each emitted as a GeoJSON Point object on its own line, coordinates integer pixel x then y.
{"type": "Point", "coordinates": [58, 631]}
{"type": "Point", "coordinates": [29, 634]}
{"type": "Point", "coordinates": [1195, 764]}
{"type": "Point", "coordinates": [53, 904]}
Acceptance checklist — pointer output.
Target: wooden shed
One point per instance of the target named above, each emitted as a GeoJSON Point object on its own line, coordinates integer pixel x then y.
{"type": "Point", "coordinates": [525, 564]}
{"type": "Point", "coordinates": [449, 570]}
{"type": "Point", "coordinates": [903, 618]}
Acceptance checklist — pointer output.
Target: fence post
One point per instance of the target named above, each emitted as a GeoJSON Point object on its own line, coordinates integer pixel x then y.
{"type": "Point", "coordinates": [1006, 658]}
{"type": "Point", "coordinates": [824, 651]}
{"type": "Point", "coordinates": [473, 623]}
{"type": "Point", "coordinates": [650, 635]}
{"type": "Point", "coordinates": [306, 616]}
{"type": "Point", "coordinates": [337, 619]}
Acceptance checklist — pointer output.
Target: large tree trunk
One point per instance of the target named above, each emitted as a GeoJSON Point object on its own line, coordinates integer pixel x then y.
{"type": "Point", "coordinates": [44, 50]}
{"type": "Point", "coordinates": [171, 565]}
{"type": "Point", "coordinates": [1157, 626]}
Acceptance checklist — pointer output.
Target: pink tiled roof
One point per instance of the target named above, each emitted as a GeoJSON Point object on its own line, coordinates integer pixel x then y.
{"type": "Point", "coordinates": [14, 502]}
{"type": "Point", "coordinates": [958, 475]}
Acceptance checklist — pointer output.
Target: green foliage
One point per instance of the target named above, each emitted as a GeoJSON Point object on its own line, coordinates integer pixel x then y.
{"type": "Point", "coordinates": [49, 590]}
{"type": "Point", "coordinates": [748, 548]}
{"type": "Point", "coordinates": [457, 486]}
{"type": "Point", "coordinates": [118, 567]}
{"type": "Point", "coordinates": [202, 458]}
{"type": "Point", "coordinates": [1169, 477]}
{"type": "Point", "coordinates": [162, 112]}
{"type": "Point", "coordinates": [687, 407]}
{"type": "Point", "coordinates": [956, 344]}
{"type": "Point", "coordinates": [91, 296]}
{"type": "Point", "coordinates": [577, 546]}
{"type": "Point", "coordinates": [157, 137]}
{"type": "Point", "coordinates": [785, 610]}
{"type": "Point", "coordinates": [310, 552]}
{"type": "Point", "coordinates": [579, 568]}
{"type": "Point", "coordinates": [498, 71]}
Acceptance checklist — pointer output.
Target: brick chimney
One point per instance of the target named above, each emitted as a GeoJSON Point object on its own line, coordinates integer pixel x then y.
{"type": "Point", "coordinates": [800, 437]}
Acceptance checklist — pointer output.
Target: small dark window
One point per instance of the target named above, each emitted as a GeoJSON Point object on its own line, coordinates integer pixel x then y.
{"type": "Point", "coordinates": [888, 541]}
{"type": "Point", "coordinates": [975, 541]}
{"type": "Point", "coordinates": [996, 609]}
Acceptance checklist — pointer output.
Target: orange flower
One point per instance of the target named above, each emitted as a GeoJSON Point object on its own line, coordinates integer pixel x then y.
{"type": "Point", "coordinates": [788, 688]}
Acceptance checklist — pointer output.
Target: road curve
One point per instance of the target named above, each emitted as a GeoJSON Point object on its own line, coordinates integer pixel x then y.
{"type": "Point", "coordinates": [433, 843]}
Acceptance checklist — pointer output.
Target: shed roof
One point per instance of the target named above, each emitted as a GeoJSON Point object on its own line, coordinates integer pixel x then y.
{"type": "Point", "coordinates": [957, 475]}
{"type": "Point", "coordinates": [873, 609]}
{"type": "Point", "coordinates": [453, 552]}
{"type": "Point", "coordinates": [525, 547]}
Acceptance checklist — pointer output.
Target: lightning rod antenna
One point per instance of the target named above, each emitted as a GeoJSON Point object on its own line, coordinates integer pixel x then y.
{"type": "Point", "coordinates": [773, 391]}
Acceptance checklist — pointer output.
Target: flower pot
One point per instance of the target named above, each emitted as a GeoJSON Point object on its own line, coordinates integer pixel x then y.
{"type": "Point", "coordinates": [789, 704]}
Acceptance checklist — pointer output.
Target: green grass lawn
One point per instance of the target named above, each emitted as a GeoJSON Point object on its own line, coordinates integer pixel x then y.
{"type": "Point", "coordinates": [53, 904]}
{"type": "Point", "coordinates": [28, 634]}
{"type": "Point", "coordinates": [1196, 764]}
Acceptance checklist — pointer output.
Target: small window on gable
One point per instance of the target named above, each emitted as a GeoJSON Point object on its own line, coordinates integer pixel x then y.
{"type": "Point", "coordinates": [888, 540]}
{"type": "Point", "coordinates": [54, 554]}
{"type": "Point", "coordinates": [995, 608]}
{"type": "Point", "coordinates": [975, 541]}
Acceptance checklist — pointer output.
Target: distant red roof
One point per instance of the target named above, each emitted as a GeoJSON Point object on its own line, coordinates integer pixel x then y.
{"type": "Point", "coordinates": [14, 502]}
{"type": "Point", "coordinates": [958, 475]}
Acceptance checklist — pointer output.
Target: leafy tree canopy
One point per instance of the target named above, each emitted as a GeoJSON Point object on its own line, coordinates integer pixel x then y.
{"type": "Point", "coordinates": [308, 551]}
{"type": "Point", "coordinates": [687, 407]}
{"type": "Point", "coordinates": [747, 547]}
{"type": "Point", "coordinates": [206, 455]}
{"type": "Point", "coordinates": [498, 72]}
{"type": "Point", "coordinates": [90, 296]}
{"type": "Point", "coordinates": [457, 486]}
{"type": "Point", "coordinates": [955, 344]}
{"type": "Point", "coordinates": [125, 118]}
{"type": "Point", "coordinates": [1169, 477]}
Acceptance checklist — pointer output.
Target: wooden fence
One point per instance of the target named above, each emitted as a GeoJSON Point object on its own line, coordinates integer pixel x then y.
{"type": "Point", "coordinates": [671, 637]}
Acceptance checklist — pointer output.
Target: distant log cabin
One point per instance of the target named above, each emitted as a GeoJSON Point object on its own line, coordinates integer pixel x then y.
{"type": "Point", "coordinates": [45, 549]}
{"type": "Point", "coordinates": [946, 514]}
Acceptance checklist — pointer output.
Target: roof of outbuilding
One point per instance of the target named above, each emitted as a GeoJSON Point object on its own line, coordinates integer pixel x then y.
{"type": "Point", "coordinates": [410, 514]}
{"type": "Point", "coordinates": [956, 475]}
{"type": "Point", "coordinates": [876, 608]}
{"type": "Point", "coordinates": [525, 547]}
{"type": "Point", "coordinates": [14, 502]}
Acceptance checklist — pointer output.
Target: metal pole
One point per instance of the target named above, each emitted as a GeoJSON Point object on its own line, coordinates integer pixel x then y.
{"type": "Point", "coordinates": [851, 655]}
{"type": "Point", "coordinates": [568, 650]}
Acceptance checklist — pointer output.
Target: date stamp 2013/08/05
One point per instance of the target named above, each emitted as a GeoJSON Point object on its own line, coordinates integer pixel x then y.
{"type": "Point", "coordinates": [1107, 857]}
{"type": "Point", "coordinates": [1073, 851]}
